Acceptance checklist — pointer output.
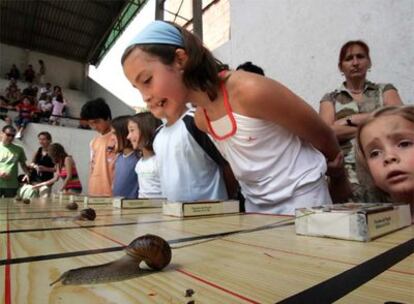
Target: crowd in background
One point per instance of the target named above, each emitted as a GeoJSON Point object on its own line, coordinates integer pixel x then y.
{"type": "Point", "coordinates": [37, 101]}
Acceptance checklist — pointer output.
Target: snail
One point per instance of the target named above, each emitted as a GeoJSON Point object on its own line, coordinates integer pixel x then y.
{"type": "Point", "coordinates": [151, 249]}
{"type": "Point", "coordinates": [72, 206]}
{"type": "Point", "coordinates": [18, 198]}
{"type": "Point", "coordinates": [26, 201]}
{"type": "Point", "coordinates": [87, 215]}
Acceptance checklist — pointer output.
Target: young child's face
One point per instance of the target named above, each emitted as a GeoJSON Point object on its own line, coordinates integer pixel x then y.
{"type": "Point", "coordinates": [100, 125]}
{"type": "Point", "coordinates": [133, 134]}
{"type": "Point", "coordinates": [388, 146]}
{"type": "Point", "coordinates": [161, 85]}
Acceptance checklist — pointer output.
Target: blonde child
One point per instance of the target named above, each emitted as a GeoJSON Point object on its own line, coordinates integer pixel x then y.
{"type": "Point", "coordinates": [141, 132]}
{"type": "Point", "coordinates": [65, 169]}
{"type": "Point", "coordinates": [269, 136]}
{"type": "Point", "coordinates": [385, 151]}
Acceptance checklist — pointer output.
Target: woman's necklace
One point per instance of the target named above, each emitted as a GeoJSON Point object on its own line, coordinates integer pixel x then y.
{"type": "Point", "coordinates": [356, 91]}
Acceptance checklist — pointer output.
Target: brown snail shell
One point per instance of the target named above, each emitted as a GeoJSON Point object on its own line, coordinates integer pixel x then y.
{"type": "Point", "coordinates": [18, 198]}
{"type": "Point", "coordinates": [88, 214]}
{"type": "Point", "coordinates": [152, 249]}
{"type": "Point", "coordinates": [26, 201]}
{"type": "Point", "coordinates": [72, 206]}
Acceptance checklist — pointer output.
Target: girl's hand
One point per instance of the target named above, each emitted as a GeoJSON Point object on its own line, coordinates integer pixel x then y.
{"type": "Point", "coordinates": [336, 166]}
{"type": "Point", "coordinates": [339, 186]}
{"type": "Point", "coordinates": [341, 122]}
{"type": "Point", "coordinates": [26, 178]}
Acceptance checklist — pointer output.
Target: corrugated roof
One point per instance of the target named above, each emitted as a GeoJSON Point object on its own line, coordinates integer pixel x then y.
{"type": "Point", "coordinates": [72, 29]}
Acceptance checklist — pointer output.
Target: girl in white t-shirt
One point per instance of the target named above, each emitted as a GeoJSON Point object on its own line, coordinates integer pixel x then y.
{"type": "Point", "coordinates": [141, 131]}
{"type": "Point", "coordinates": [58, 105]}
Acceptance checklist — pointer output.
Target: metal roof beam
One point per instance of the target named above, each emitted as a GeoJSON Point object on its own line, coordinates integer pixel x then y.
{"type": "Point", "coordinates": [118, 26]}
{"type": "Point", "coordinates": [53, 52]}
{"type": "Point", "coordinates": [198, 18]}
{"type": "Point", "coordinates": [159, 9]}
{"type": "Point", "coordinates": [54, 24]}
{"type": "Point", "coordinates": [21, 30]}
{"type": "Point", "coordinates": [75, 14]}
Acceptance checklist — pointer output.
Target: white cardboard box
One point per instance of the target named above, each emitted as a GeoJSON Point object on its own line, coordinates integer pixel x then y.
{"type": "Point", "coordinates": [352, 221]}
{"type": "Point", "coordinates": [120, 202]}
{"type": "Point", "coordinates": [198, 208]}
{"type": "Point", "coordinates": [97, 200]}
{"type": "Point", "coordinates": [77, 198]}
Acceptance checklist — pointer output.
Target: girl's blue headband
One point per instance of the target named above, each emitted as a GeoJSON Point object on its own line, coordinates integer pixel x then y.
{"type": "Point", "coordinates": [159, 32]}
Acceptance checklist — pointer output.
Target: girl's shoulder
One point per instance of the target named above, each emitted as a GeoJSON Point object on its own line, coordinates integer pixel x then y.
{"type": "Point", "coordinates": [69, 158]}
{"type": "Point", "coordinates": [200, 120]}
{"type": "Point", "coordinates": [246, 90]}
{"type": "Point", "coordinates": [241, 83]}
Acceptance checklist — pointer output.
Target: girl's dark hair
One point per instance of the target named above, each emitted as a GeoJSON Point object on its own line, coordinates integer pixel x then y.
{"type": "Point", "coordinates": [120, 125]}
{"type": "Point", "coordinates": [59, 98]}
{"type": "Point", "coordinates": [96, 109]}
{"type": "Point", "coordinates": [57, 153]}
{"type": "Point", "coordinates": [45, 134]}
{"type": "Point", "coordinates": [201, 70]}
{"type": "Point", "coordinates": [250, 67]}
{"type": "Point", "coordinates": [147, 125]}
{"type": "Point", "coordinates": [347, 45]}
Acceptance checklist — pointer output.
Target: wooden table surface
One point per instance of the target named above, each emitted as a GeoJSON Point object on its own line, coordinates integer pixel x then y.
{"type": "Point", "coordinates": [270, 264]}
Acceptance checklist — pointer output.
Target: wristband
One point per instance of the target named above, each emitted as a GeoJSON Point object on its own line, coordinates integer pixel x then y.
{"type": "Point", "coordinates": [350, 123]}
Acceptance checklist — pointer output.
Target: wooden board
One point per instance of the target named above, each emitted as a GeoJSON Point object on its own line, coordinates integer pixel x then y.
{"type": "Point", "coordinates": [266, 265]}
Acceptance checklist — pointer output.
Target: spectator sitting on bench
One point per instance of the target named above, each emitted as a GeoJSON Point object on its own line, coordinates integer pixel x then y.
{"type": "Point", "coordinates": [58, 106]}
{"type": "Point", "coordinates": [45, 106]}
{"type": "Point", "coordinates": [14, 73]}
{"type": "Point", "coordinates": [29, 74]}
{"type": "Point", "coordinates": [26, 112]}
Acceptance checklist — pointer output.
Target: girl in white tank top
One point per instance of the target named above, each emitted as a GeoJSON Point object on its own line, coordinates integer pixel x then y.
{"type": "Point", "coordinates": [273, 166]}
{"type": "Point", "coordinates": [269, 135]}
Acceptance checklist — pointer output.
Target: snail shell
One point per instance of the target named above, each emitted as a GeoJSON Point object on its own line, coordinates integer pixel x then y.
{"type": "Point", "coordinates": [88, 214]}
{"type": "Point", "coordinates": [72, 206]}
{"type": "Point", "coordinates": [26, 201]}
{"type": "Point", "coordinates": [152, 249]}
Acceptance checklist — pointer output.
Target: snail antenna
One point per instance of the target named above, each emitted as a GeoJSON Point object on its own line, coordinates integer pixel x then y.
{"type": "Point", "coordinates": [58, 280]}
